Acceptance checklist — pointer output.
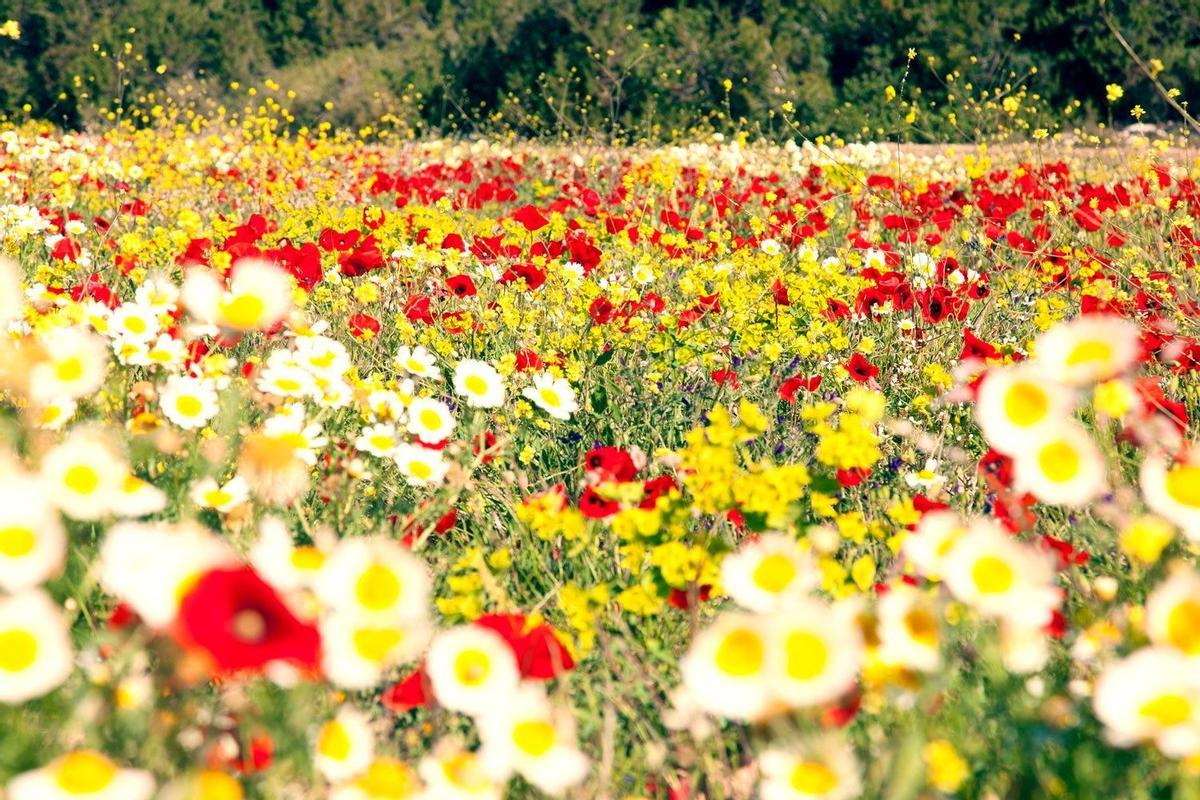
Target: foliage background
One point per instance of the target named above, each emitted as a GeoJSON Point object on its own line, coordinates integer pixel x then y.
{"type": "Point", "coordinates": [648, 68]}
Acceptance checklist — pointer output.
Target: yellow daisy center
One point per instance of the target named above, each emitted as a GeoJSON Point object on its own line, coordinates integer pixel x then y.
{"type": "Point", "coordinates": [69, 369]}
{"type": "Point", "coordinates": [1091, 351]}
{"type": "Point", "coordinates": [18, 650]}
{"type": "Point", "coordinates": [84, 773]}
{"type": "Point", "coordinates": [81, 479]}
{"type": "Point", "coordinates": [1059, 462]}
{"type": "Point", "coordinates": [243, 311]}
{"type": "Point", "coordinates": [534, 737]}
{"type": "Point", "coordinates": [1183, 485]}
{"type": "Point", "coordinates": [807, 655]}
{"type": "Point", "coordinates": [307, 558]}
{"type": "Point", "coordinates": [374, 644]}
{"type": "Point", "coordinates": [922, 626]}
{"type": "Point", "coordinates": [387, 779]}
{"type": "Point", "coordinates": [774, 573]}
{"type": "Point", "coordinates": [992, 575]}
{"type": "Point", "coordinates": [1183, 626]}
{"type": "Point", "coordinates": [1167, 709]}
{"type": "Point", "coordinates": [333, 742]}
{"type": "Point", "coordinates": [1026, 404]}
{"type": "Point", "coordinates": [741, 653]}
{"type": "Point", "coordinates": [472, 667]}
{"type": "Point", "coordinates": [813, 778]}
{"type": "Point", "coordinates": [377, 587]}
{"type": "Point", "coordinates": [17, 541]}
{"type": "Point", "coordinates": [213, 785]}
{"type": "Point", "coordinates": [188, 405]}
{"type": "Point", "coordinates": [475, 384]}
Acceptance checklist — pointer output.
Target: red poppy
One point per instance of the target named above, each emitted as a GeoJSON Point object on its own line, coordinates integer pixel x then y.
{"type": "Point", "coordinates": [682, 599]}
{"type": "Point", "coordinates": [528, 361]}
{"type": "Point", "coordinates": [539, 653]}
{"type": "Point", "coordinates": [593, 506]}
{"type": "Point", "coordinates": [780, 293]}
{"type": "Point", "coordinates": [484, 445]}
{"type": "Point", "coordinates": [530, 218]}
{"type": "Point", "coordinates": [787, 389]}
{"type": "Point", "coordinates": [976, 348]}
{"type": "Point", "coordinates": [610, 464]}
{"type": "Point", "coordinates": [236, 618]}
{"type": "Point", "coordinates": [410, 692]}
{"type": "Point", "coordinates": [363, 326]}
{"type": "Point", "coordinates": [852, 477]}
{"type": "Point", "coordinates": [656, 488]}
{"type": "Point", "coordinates": [461, 285]}
{"type": "Point", "coordinates": [726, 376]}
{"type": "Point", "coordinates": [860, 369]}
{"type": "Point", "coordinates": [601, 310]}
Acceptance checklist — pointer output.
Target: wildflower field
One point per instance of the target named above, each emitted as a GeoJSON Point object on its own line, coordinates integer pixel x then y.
{"type": "Point", "coordinates": [480, 468]}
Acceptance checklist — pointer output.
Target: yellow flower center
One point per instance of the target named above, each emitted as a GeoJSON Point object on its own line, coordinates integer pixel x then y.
{"type": "Point", "coordinates": [17, 541]}
{"type": "Point", "coordinates": [1183, 485]}
{"type": "Point", "coordinates": [472, 667]}
{"type": "Point", "coordinates": [69, 369]}
{"type": "Point", "coordinates": [1026, 404]}
{"type": "Point", "coordinates": [1183, 627]}
{"type": "Point", "coordinates": [387, 779]}
{"type": "Point", "coordinates": [430, 419]}
{"type": "Point", "coordinates": [188, 405]}
{"type": "Point", "coordinates": [774, 573]}
{"type": "Point", "coordinates": [333, 742]}
{"type": "Point", "coordinates": [461, 770]}
{"type": "Point", "coordinates": [992, 575]}
{"type": "Point", "coordinates": [1090, 352]}
{"type": "Point", "coordinates": [135, 324]}
{"type": "Point", "coordinates": [244, 311]}
{"type": "Point", "coordinates": [475, 384]}
{"type": "Point", "coordinates": [534, 737]}
{"type": "Point", "coordinates": [217, 497]}
{"type": "Point", "coordinates": [18, 650]}
{"type": "Point", "coordinates": [84, 772]}
{"type": "Point", "coordinates": [307, 558]}
{"type": "Point", "coordinates": [377, 588]}
{"type": "Point", "coordinates": [374, 644]}
{"type": "Point", "coordinates": [1059, 462]}
{"type": "Point", "coordinates": [807, 655]}
{"type": "Point", "coordinates": [550, 398]}
{"type": "Point", "coordinates": [213, 785]}
{"type": "Point", "coordinates": [922, 626]}
{"type": "Point", "coordinates": [813, 778]}
{"type": "Point", "coordinates": [420, 469]}
{"type": "Point", "coordinates": [382, 441]}
{"type": "Point", "coordinates": [81, 479]}
{"type": "Point", "coordinates": [1167, 709]}
{"type": "Point", "coordinates": [741, 653]}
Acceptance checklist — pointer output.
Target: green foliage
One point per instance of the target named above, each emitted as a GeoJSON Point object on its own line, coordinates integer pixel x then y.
{"type": "Point", "coordinates": [602, 66]}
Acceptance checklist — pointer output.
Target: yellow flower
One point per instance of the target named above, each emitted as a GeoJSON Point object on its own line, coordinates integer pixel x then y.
{"type": "Point", "coordinates": [863, 572]}
{"type": "Point", "coordinates": [1114, 92]}
{"type": "Point", "coordinates": [946, 769]}
{"type": "Point", "coordinates": [1144, 539]}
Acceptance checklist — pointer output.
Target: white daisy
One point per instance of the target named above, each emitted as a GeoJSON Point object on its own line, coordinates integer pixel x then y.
{"type": "Point", "coordinates": [553, 395]}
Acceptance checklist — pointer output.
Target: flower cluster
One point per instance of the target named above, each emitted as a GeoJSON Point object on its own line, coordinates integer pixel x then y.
{"type": "Point", "coordinates": [488, 469]}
